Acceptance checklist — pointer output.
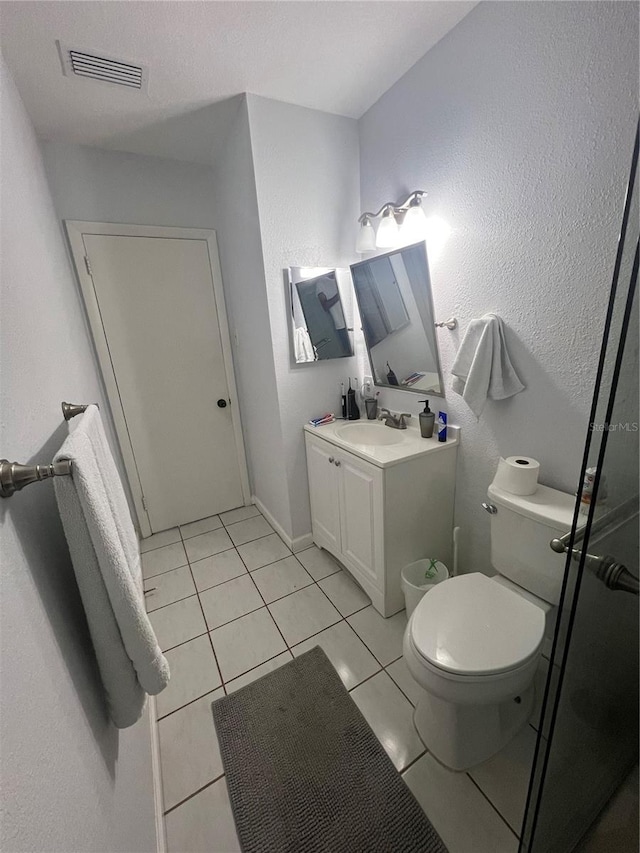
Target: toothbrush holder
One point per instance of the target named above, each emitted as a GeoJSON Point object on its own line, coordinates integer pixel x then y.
{"type": "Point", "coordinates": [371, 407]}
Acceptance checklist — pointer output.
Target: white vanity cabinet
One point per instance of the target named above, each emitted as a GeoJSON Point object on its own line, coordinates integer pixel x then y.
{"type": "Point", "coordinates": [377, 511]}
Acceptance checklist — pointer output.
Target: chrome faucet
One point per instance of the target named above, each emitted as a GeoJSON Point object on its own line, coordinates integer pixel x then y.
{"type": "Point", "coordinates": [393, 421]}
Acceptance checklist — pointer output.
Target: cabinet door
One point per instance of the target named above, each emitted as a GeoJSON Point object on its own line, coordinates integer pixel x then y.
{"type": "Point", "coordinates": [361, 517]}
{"type": "Point", "coordinates": [324, 494]}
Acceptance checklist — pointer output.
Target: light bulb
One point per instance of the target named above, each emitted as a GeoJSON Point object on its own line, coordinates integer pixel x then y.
{"type": "Point", "coordinates": [366, 240]}
{"type": "Point", "coordinates": [414, 227]}
{"type": "Point", "coordinates": [438, 232]}
{"type": "Point", "coordinates": [387, 236]}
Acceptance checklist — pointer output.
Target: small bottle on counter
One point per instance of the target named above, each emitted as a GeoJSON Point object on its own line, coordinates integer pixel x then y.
{"type": "Point", "coordinates": [442, 426]}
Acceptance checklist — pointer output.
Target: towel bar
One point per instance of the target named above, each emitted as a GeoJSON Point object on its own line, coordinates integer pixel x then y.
{"type": "Point", "coordinates": [14, 476]}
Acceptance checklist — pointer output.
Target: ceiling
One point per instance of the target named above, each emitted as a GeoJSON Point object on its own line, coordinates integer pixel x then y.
{"type": "Point", "coordinates": [338, 56]}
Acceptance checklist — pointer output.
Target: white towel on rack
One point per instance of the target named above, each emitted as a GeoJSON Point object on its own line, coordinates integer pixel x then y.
{"type": "Point", "coordinates": [106, 559]}
{"type": "Point", "coordinates": [303, 346]}
{"type": "Point", "coordinates": [482, 368]}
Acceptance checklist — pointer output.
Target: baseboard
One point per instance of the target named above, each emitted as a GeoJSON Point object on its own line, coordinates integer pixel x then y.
{"type": "Point", "coordinates": [161, 838]}
{"type": "Point", "coordinates": [297, 544]}
{"type": "Point", "coordinates": [302, 542]}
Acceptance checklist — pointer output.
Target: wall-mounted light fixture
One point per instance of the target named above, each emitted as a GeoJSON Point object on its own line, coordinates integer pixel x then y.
{"type": "Point", "coordinates": [401, 222]}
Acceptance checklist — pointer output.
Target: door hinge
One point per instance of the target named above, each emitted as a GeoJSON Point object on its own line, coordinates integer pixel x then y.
{"type": "Point", "coordinates": [144, 503]}
{"type": "Point", "coordinates": [88, 264]}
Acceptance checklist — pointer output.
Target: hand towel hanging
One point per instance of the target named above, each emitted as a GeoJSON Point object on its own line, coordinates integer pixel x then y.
{"type": "Point", "coordinates": [482, 369]}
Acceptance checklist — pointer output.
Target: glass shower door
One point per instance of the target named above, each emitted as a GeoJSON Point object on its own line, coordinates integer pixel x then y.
{"type": "Point", "coordinates": [588, 738]}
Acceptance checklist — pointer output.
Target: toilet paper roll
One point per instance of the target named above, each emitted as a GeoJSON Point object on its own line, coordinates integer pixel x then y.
{"type": "Point", "coordinates": [517, 475]}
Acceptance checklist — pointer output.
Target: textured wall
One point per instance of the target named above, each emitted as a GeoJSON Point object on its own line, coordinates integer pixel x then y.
{"type": "Point", "coordinates": [70, 781]}
{"type": "Point", "coordinates": [306, 170]}
{"type": "Point", "coordinates": [519, 123]}
{"type": "Point", "coordinates": [240, 244]}
{"type": "Point", "coordinates": [110, 186]}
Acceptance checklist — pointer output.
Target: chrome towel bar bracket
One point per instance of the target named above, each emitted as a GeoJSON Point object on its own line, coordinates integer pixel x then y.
{"type": "Point", "coordinates": [70, 410]}
{"type": "Point", "coordinates": [450, 324]}
{"type": "Point", "coordinates": [14, 476]}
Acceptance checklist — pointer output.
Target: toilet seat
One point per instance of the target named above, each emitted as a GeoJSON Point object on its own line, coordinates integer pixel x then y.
{"type": "Point", "coordinates": [472, 626]}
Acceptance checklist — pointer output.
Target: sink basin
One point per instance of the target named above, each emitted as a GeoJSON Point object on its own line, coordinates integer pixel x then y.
{"type": "Point", "coordinates": [373, 435]}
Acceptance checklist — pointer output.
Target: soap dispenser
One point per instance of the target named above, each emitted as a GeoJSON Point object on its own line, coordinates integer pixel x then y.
{"type": "Point", "coordinates": [427, 420]}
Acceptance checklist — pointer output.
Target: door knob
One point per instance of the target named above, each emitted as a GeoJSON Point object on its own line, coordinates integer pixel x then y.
{"type": "Point", "coordinates": [222, 404]}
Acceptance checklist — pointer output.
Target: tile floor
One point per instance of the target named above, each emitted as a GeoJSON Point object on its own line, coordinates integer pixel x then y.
{"type": "Point", "coordinates": [230, 602]}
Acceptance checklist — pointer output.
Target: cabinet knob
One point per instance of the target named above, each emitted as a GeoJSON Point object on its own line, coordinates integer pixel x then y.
{"type": "Point", "coordinates": [337, 463]}
{"type": "Point", "coordinates": [331, 459]}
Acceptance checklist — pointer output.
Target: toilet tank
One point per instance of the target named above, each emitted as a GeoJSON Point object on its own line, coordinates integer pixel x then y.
{"type": "Point", "coordinates": [521, 531]}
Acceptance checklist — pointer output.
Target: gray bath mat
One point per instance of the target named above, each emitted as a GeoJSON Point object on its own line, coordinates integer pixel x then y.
{"type": "Point", "coordinates": [307, 775]}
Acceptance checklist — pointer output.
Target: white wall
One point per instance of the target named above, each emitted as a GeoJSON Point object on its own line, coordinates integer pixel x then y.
{"type": "Point", "coordinates": [240, 245]}
{"type": "Point", "coordinates": [306, 171]}
{"type": "Point", "coordinates": [519, 123]}
{"type": "Point", "coordinates": [111, 186]}
{"type": "Point", "coordinates": [70, 780]}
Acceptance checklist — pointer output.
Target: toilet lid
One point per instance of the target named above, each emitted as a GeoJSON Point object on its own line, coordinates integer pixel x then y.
{"type": "Point", "coordinates": [470, 625]}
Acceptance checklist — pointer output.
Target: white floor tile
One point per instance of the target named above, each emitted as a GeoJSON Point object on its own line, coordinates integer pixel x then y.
{"type": "Point", "coordinates": [263, 551]}
{"type": "Point", "coordinates": [163, 559]}
{"type": "Point", "coordinates": [399, 671]}
{"type": "Point", "coordinates": [382, 636]}
{"type": "Point", "coordinates": [239, 514]}
{"type": "Point", "coordinates": [281, 578]}
{"type": "Point", "coordinates": [204, 525]}
{"type": "Point", "coordinates": [204, 824]}
{"type": "Point", "coordinates": [302, 614]}
{"type": "Point", "coordinates": [463, 818]}
{"type": "Point", "coordinates": [217, 569]}
{"type": "Point", "coordinates": [319, 563]}
{"type": "Point", "coordinates": [504, 779]}
{"type": "Point", "coordinates": [189, 754]}
{"type": "Point", "coordinates": [176, 623]}
{"type": "Point", "coordinates": [616, 828]}
{"type": "Point", "coordinates": [249, 529]}
{"type": "Point", "coordinates": [390, 715]}
{"type": "Point", "coordinates": [157, 540]}
{"type": "Point", "coordinates": [246, 643]}
{"type": "Point", "coordinates": [207, 544]}
{"type": "Point", "coordinates": [258, 672]}
{"type": "Point", "coordinates": [229, 600]}
{"type": "Point", "coordinates": [348, 654]}
{"type": "Point", "coordinates": [168, 587]}
{"type": "Point", "coordinates": [193, 673]}
{"type": "Point", "coordinates": [344, 593]}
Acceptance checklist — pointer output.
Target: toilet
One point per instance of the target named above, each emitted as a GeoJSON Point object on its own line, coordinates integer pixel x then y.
{"type": "Point", "coordinates": [473, 642]}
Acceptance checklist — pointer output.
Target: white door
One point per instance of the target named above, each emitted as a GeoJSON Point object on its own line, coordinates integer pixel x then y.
{"type": "Point", "coordinates": [158, 323]}
{"type": "Point", "coordinates": [324, 495]}
{"type": "Point", "coordinates": [361, 492]}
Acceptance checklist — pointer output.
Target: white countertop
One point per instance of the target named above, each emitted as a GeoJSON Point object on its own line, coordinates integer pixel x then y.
{"type": "Point", "coordinates": [410, 446]}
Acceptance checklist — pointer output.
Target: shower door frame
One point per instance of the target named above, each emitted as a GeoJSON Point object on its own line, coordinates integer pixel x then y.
{"type": "Point", "coordinates": [570, 593]}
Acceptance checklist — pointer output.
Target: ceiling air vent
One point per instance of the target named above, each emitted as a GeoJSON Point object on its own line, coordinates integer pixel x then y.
{"type": "Point", "coordinates": [105, 69]}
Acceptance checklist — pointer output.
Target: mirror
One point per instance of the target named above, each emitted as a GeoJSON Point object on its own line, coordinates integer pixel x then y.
{"type": "Point", "coordinates": [394, 297]}
{"type": "Point", "coordinates": [319, 327]}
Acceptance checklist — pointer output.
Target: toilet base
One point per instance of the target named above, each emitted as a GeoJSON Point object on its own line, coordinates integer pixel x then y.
{"type": "Point", "coordinates": [461, 736]}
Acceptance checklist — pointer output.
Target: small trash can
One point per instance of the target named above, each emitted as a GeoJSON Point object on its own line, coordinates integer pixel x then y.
{"type": "Point", "coordinates": [418, 578]}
